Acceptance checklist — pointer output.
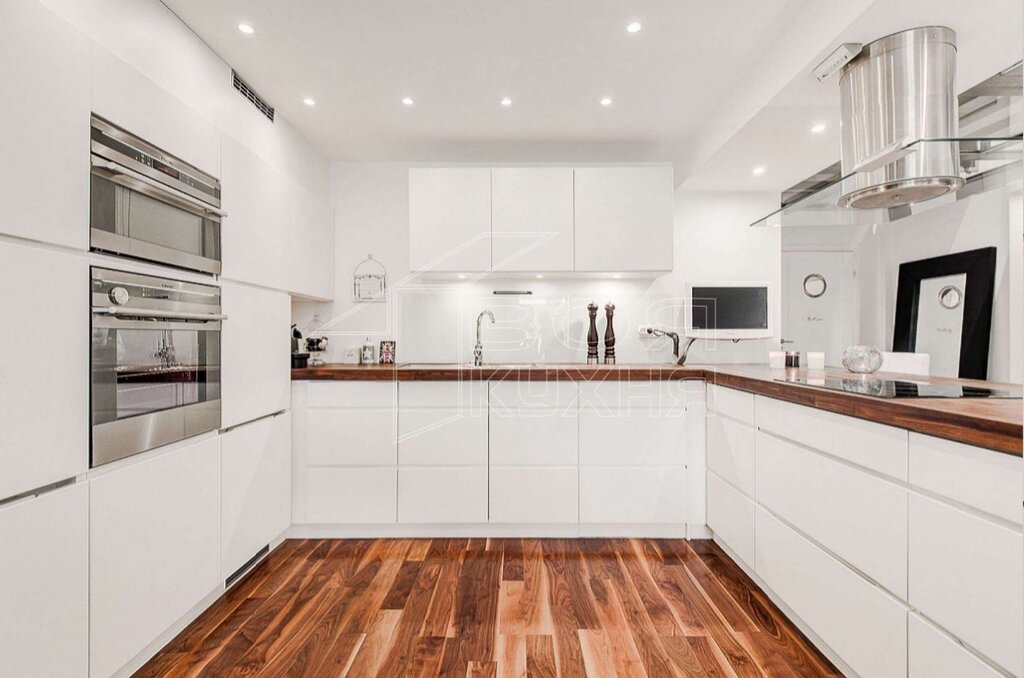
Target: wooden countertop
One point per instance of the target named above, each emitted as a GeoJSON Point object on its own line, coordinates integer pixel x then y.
{"type": "Point", "coordinates": [996, 424]}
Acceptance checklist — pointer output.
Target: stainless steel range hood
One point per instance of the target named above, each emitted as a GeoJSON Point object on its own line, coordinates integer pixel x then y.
{"type": "Point", "coordinates": [899, 90]}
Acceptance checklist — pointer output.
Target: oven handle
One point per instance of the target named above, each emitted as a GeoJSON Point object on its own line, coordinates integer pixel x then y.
{"type": "Point", "coordinates": [127, 176]}
{"type": "Point", "coordinates": [147, 313]}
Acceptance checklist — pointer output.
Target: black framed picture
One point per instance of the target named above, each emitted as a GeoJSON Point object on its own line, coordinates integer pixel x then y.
{"type": "Point", "coordinates": [949, 295]}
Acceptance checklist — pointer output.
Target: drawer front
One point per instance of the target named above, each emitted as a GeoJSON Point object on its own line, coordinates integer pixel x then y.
{"type": "Point", "coordinates": [874, 446]}
{"type": "Point", "coordinates": [933, 654]}
{"type": "Point", "coordinates": [859, 517]}
{"type": "Point", "coordinates": [638, 395]}
{"type": "Point", "coordinates": [731, 516]}
{"type": "Point", "coordinates": [966, 575]}
{"type": "Point", "coordinates": [864, 626]}
{"type": "Point", "coordinates": [357, 495]}
{"type": "Point", "coordinates": [508, 397]}
{"type": "Point", "coordinates": [446, 394]}
{"type": "Point", "coordinates": [442, 495]}
{"type": "Point", "coordinates": [730, 446]}
{"type": "Point", "coordinates": [989, 481]}
{"type": "Point", "coordinates": [731, 403]}
{"type": "Point", "coordinates": [534, 495]}
{"type": "Point", "coordinates": [639, 437]}
{"type": "Point", "coordinates": [352, 394]}
{"type": "Point", "coordinates": [543, 437]}
{"type": "Point", "coordinates": [633, 495]}
{"type": "Point", "coordinates": [442, 437]}
{"type": "Point", "coordinates": [351, 437]}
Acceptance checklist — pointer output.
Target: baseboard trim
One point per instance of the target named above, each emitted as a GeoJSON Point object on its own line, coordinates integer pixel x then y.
{"type": "Point", "coordinates": [523, 530]}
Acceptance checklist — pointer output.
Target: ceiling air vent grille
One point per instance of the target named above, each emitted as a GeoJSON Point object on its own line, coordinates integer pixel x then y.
{"type": "Point", "coordinates": [248, 92]}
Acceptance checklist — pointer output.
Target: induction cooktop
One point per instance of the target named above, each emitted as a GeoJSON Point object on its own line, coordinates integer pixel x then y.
{"type": "Point", "coordinates": [898, 388]}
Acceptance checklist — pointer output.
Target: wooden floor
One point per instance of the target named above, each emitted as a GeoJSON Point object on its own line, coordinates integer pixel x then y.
{"type": "Point", "coordinates": [495, 607]}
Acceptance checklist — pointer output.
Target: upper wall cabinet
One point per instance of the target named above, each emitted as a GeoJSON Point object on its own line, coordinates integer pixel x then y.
{"type": "Point", "coordinates": [256, 233]}
{"type": "Point", "coordinates": [45, 82]}
{"type": "Point", "coordinates": [450, 219]}
{"type": "Point", "coordinates": [531, 222]}
{"type": "Point", "coordinates": [312, 236]}
{"type": "Point", "coordinates": [624, 219]}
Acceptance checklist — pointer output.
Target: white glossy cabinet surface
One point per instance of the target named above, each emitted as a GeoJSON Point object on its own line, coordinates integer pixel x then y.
{"type": "Point", "coordinates": [534, 494]}
{"type": "Point", "coordinates": [933, 654]}
{"type": "Point", "coordinates": [351, 495]}
{"type": "Point", "coordinates": [655, 495]}
{"type": "Point", "coordinates": [44, 585]}
{"type": "Point", "coordinates": [256, 488]}
{"type": "Point", "coordinates": [256, 234]}
{"type": "Point", "coordinates": [731, 516]}
{"type": "Point", "coordinates": [46, 86]}
{"type": "Point", "coordinates": [154, 549]}
{"type": "Point", "coordinates": [255, 353]}
{"type": "Point", "coordinates": [312, 244]}
{"type": "Point", "coordinates": [450, 219]}
{"type": "Point", "coordinates": [439, 494]}
{"type": "Point", "coordinates": [44, 402]}
{"type": "Point", "coordinates": [623, 218]}
{"type": "Point", "coordinates": [730, 447]}
{"type": "Point", "coordinates": [729, 402]}
{"type": "Point", "coordinates": [532, 218]}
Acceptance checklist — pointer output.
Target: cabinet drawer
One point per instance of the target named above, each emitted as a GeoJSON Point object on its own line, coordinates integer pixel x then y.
{"type": "Point", "coordinates": [358, 495]}
{"type": "Point", "coordinates": [933, 654]}
{"type": "Point", "coordinates": [633, 495]}
{"type": "Point", "coordinates": [989, 481]}
{"type": "Point", "coordinates": [442, 437]}
{"type": "Point", "coordinates": [731, 516]}
{"type": "Point", "coordinates": [381, 394]}
{"type": "Point", "coordinates": [442, 495]}
{"type": "Point", "coordinates": [639, 437]}
{"type": "Point", "coordinates": [731, 403]}
{"type": "Point", "coordinates": [863, 625]}
{"type": "Point", "coordinates": [534, 495]}
{"type": "Point", "coordinates": [539, 437]}
{"type": "Point", "coordinates": [638, 396]}
{"type": "Point", "coordinates": [446, 394]}
{"type": "Point", "coordinates": [730, 446]}
{"type": "Point", "coordinates": [510, 397]}
{"type": "Point", "coordinates": [350, 437]}
{"type": "Point", "coordinates": [966, 575]}
{"type": "Point", "coordinates": [859, 517]}
{"type": "Point", "coordinates": [865, 443]}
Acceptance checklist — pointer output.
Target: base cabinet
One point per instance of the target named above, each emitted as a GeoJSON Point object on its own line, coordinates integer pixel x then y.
{"type": "Point", "coordinates": [44, 585]}
{"type": "Point", "coordinates": [154, 549]}
{"type": "Point", "coordinates": [933, 654]}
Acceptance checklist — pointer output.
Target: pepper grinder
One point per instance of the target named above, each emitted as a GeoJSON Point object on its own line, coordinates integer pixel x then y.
{"type": "Point", "coordinates": [592, 337]}
{"type": "Point", "coordinates": [609, 335]}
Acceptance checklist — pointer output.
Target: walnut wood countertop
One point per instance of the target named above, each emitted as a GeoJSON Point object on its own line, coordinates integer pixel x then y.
{"type": "Point", "coordinates": [996, 424]}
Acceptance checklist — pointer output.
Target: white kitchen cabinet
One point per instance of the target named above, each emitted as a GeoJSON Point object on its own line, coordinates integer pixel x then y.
{"type": "Point", "coordinates": [45, 81]}
{"type": "Point", "coordinates": [440, 494]}
{"type": "Point", "coordinates": [312, 244]}
{"type": "Point", "coordinates": [965, 575]}
{"type": "Point", "coordinates": [255, 353]}
{"type": "Point", "coordinates": [351, 437]}
{"type": "Point", "coordinates": [729, 402]}
{"type": "Point", "coordinates": [450, 219]}
{"type": "Point", "coordinates": [730, 447]}
{"type": "Point", "coordinates": [865, 626]}
{"type": "Point", "coordinates": [624, 219]}
{"type": "Point", "coordinates": [44, 400]}
{"type": "Point", "coordinates": [731, 516]}
{"type": "Point", "coordinates": [534, 494]}
{"type": "Point", "coordinates": [351, 495]}
{"type": "Point", "coordinates": [154, 548]}
{"type": "Point", "coordinates": [256, 488]}
{"type": "Point", "coordinates": [44, 585]}
{"type": "Point", "coordinates": [532, 218]}
{"type": "Point", "coordinates": [256, 234]}
{"type": "Point", "coordinates": [636, 495]}
{"type": "Point", "coordinates": [934, 654]}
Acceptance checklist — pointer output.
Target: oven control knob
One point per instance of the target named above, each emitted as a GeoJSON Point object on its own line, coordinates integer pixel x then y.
{"type": "Point", "coordinates": [119, 296]}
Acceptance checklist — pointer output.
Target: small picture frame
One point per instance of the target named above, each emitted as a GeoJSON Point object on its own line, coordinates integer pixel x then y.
{"type": "Point", "coordinates": [387, 352]}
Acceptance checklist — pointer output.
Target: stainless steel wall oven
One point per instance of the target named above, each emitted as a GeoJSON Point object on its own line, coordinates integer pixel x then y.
{"type": "Point", "coordinates": [155, 362]}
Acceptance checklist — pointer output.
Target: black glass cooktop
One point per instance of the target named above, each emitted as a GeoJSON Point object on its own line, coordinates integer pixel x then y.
{"type": "Point", "coordinates": [896, 388]}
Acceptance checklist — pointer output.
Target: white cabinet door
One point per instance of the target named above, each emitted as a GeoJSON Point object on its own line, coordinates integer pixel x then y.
{"type": "Point", "coordinates": [537, 494]}
{"type": "Point", "coordinates": [731, 516]}
{"type": "Point", "coordinates": [532, 222]}
{"type": "Point", "coordinates": [312, 245]}
{"type": "Point", "coordinates": [966, 575]}
{"type": "Point", "coordinates": [638, 436]}
{"type": "Point", "coordinates": [933, 654]}
{"type": "Point", "coordinates": [450, 219]}
{"type": "Point", "coordinates": [633, 495]}
{"type": "Point", "coordinates": [44, 585]}
{"type": "Point", "coordinates": [624, 218]}
{"type": "Point", "coordinates": [256, 488]}
{"type": "Point", "coordinates": [44, 400]}
{"type": "Point", "coordinates": [256, 234]}
{"type": "Point", "coordinates": [731, 403]}
{"type": "Point", "coordinates": [154, 549]}
{"type": "Point", "coordinates": [255, 353]}
{"type": "Point", "coordinates": [351, 495]}
{"type": "Point", "coordinates": [730, 447]}
{"type": "Point", "coordinates": [45, 81]}
{"type": "Point", "coordinates": [442, 494]}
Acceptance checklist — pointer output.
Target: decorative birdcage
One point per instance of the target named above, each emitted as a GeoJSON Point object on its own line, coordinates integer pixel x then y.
{"type": "Point", "coordinates": [369, 281]}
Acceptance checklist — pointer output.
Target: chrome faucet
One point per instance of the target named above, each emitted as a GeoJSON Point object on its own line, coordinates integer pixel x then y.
{"type": "Point", "coordinates": [478, 350]}
{"type": "Point", "coordinates": [680, 359]}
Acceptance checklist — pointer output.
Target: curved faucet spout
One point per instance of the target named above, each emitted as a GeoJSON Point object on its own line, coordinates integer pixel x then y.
{"type": "Point", "coordinates": [688, 341]}
{"type": "Point", "coordinates": [478, 349]}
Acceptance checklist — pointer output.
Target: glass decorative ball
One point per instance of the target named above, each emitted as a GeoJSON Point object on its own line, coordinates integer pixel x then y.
{"type": "Point", "coordinates": [862, 359]}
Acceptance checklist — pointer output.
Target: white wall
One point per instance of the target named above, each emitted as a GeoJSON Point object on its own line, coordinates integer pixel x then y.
{"type": "Point", "coordinates": [434, 321]}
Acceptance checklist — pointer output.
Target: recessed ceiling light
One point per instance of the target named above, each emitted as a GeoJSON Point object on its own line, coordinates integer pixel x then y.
{"type": "Point", "coordinates": [408, 101]}
{"type": "Point", "coordinates": [246, 28]}
{"type": "Point", "coordinates": [759, 170]}
{"type": "Point", "coordinates": [607, 101]}
{"type": "Point", "coordinates": [634, 27]}
{"type": "Point", "coordinates": [819, 128]}
{"type": "Point", "coordinates": [462, 276]}
{"type": "Point", "coordinates": [309, 101]}
{"type": "Point", "coordinates": [539, 276]}
{"type": "Point", "coordinates": [616, 275]}
{"type": "Point", "coordinates": [506, 102]}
